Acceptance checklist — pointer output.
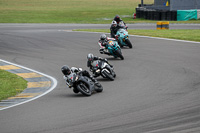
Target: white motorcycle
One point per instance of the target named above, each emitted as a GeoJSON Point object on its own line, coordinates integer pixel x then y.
{"type": "Point", "coordinates": [102, 68]}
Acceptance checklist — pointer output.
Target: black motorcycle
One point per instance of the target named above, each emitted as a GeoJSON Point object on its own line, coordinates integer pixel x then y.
{"type": "Point", "coordinates": [102, 68]}
{"type": "Point", "coordinates": [84, 84]}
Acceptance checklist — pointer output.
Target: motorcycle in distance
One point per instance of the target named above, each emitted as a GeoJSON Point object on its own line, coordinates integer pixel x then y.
{"type": "Point", "coordinates": [102, 68]}
{"type": "Point", "coordinates": [123, 37]}
{"type": "Point", "coordinates": [84, 84]}
{"type": "Point", "coordinates": [114, 49]}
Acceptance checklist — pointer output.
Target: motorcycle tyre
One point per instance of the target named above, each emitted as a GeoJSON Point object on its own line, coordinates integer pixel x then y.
{"type": "Point", "coordinates": [109, 76]}
{"type": "Point", "coordinates": [127, 41]}
{"type": "Point", "coordinates": [114, 74]}
{"type": "Point", "coordinates": [119, 54]}
{"type": "Point", "coordinates": [98, 89]}
{"type": "Point", "coordinates": [111, 70]}
{"type": "Point", "coordinates": [80, 89]}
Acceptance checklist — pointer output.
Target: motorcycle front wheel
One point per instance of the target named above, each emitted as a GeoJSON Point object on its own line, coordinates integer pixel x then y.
{"type": "Point", "coordinates": [119, 54]}
{"type": "Point", "coordinates": [84, 88]}
{"type": "Point", "coordinates": [108, 75]}
{"type": "Point", "coordinates": [127, 41]}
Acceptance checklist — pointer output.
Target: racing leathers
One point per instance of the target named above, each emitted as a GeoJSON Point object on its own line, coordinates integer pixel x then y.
{"type": "Point", "coordinates": [69, 78]}
{"type": "Point", "coordinates": [114, 29]}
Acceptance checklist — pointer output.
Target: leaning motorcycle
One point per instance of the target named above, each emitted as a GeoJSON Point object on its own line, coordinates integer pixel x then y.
{"type": "Point", "coordinates": [114, 49]}
{"type": "Point", "coordinates": [84, 84]}
{"type": "Point", "coordinates": [123, 38]}
{"type": "Point", "coordinates": [102, 68]}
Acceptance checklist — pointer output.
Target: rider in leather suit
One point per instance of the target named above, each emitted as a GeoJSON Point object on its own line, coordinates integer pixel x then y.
{"type": "Point", "coordinates": [92, 58]}
{"type": "Point", "coordinates": [103, 43]}
{"type": "Point", "coordinates": [116, 24]}
{"type": "Point", "coordinates": [67, 71]}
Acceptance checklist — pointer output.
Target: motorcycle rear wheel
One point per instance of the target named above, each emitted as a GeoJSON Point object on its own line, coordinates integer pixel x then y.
{"type": "Point", "coordinates": [98, 88]}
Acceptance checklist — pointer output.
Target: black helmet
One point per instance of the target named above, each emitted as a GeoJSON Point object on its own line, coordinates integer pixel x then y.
{"type": "Point", "coordinates": [66, 70]}
{"type": "Point", "coordinates": [117, 18]}
{"type": "Point", "coordinates": [90, 57]}
{"type": "Point", "coordinates": [103, 37]}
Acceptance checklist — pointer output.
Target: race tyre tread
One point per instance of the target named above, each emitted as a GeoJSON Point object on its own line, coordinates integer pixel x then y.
{"type": "Point", "coordinates": [85, 91]}
{"type": "Point", "coordinates": [129, 43]}
{"type": "Point", "coordinates": [98, 89]}
{"type": "Point", "coordinates": [119, 54]}
{"type": "Point", "coordinates": [110, 77]}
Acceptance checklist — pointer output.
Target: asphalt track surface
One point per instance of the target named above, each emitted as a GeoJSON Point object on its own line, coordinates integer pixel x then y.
{"type": "Point", "coordinates": [156, 90]}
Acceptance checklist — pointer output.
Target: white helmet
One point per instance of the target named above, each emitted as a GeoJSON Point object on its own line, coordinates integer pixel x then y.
{"type": "Point", "coordinates": [74, 69]}
{"type": "Point", "coordinates": [114, 23]}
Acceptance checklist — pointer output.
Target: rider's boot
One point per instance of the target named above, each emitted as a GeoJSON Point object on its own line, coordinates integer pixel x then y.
{"type": "Point", "coordinates": [95, 81]}
{"type": "Point", "coordinates": [107, 53]}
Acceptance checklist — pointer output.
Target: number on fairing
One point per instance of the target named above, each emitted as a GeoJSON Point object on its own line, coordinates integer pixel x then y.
{"type": "Point", "coordinates": [111, 43]}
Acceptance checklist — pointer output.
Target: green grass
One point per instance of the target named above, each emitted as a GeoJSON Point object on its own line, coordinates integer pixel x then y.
{"type": "Point", "coordinates": [10, 84]}
{"type": "Point", "coordinates": [70, 11]}
{"type": "Point", "coordinates": [64, 11]}
{"type": "Point", "coordinates": [190, 35]}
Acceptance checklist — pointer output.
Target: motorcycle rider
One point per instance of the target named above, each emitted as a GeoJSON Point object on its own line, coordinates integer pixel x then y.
{"type": "Point", "coordinates": [67, 72]}
{"type": "Point", "coordinates": [119, 20]}
{"type": "Point", "coordinates": [114, 28]}
{"type": "Point", "coordinates": [92, 58]}
{"type": "Point", "coordinates": [103, 43]}
{"type": "Point", "coordinates": [116, 24]}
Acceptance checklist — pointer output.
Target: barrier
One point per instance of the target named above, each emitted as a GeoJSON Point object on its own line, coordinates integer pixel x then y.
{"type": "Point", "coordinates": [165, 25]}
{"type": "Point", "coordinates": [159, 25]}
{"type": "Point", "coordinates": [162, 25]}
{"type": "Point", "coordinates": [152, 14]}
{"type": "Point", "coordinates": [198, 14]}
{"type": "Point", "coordinates": [184, 15]}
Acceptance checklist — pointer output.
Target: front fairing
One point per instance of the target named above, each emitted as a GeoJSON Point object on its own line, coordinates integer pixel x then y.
{"type": "Point", "coordinates": [95, 63]}
{"type": "Point", "coordinates": [122, 36]}
{"type": "Point", "coordinates": [113, 46]}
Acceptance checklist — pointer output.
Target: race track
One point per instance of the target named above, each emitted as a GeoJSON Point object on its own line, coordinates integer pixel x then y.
{"type": "Point", "coordinates": [157, 88]}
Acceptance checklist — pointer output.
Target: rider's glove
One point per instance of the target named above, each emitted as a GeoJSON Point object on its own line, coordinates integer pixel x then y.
{"type": "Point", "coordinates": [105, 60]}
{"type": "Point", "coordinates": [116, 36]}
{"type": "Point", "coordinates": [91, 70]}
{"type": "Point", "coordinates": [64, 77]}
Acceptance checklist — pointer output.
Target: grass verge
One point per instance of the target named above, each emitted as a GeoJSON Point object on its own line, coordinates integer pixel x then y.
{"type": "Point", "coordinates": [71, 11]}
{"type": "Point", "coordinates": [10, 84]}
{"type": "Point", "coordinates": [181, 34]}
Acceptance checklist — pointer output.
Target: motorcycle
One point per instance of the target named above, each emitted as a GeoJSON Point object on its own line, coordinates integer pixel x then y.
{"type": "Point", "coordinates": [123, 38]}
{"type": "Point", "coordinates": [84, 84]}
{"type": "Point", "coordinates": [114, 49]}
{"type": "Point", "coordinates": [102, 68]}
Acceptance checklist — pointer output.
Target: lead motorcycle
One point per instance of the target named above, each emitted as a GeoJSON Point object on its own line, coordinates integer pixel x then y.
{"type": "Point", "coordinates": [84, 84]}
{"type": "Point", "coordinates": [123, 37]}
{"type": "Point", "coordinates": [102, 68]}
